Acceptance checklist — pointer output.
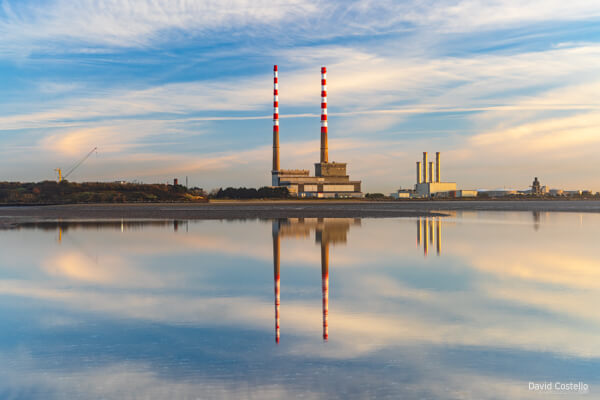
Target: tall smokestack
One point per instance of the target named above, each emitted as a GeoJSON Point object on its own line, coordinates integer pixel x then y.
{"type": "Point", "coordinates": [430, 171]}
{"type": "Point", "coordinates": [419, 172]}
{"type": "Point", "coordinates": [324, 155]}
{"type": "Point", "coordinates": [275, 120]}
{"type": "Point", "coordinates": [325, 287]}
{"type": "Point", "coordinates": [438, 168]}
{"type": "Point", "coordinates": [424, 167]}
{"type": "Point", "coordinates": [276, 248]}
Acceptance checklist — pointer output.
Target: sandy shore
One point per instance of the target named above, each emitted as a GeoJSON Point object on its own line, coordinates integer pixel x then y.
{"type": "Point", "coordinates": [9, 216]}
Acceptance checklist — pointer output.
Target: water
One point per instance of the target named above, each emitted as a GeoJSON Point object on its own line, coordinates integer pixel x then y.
{"type": "Point", "coordinates": [475, 305]}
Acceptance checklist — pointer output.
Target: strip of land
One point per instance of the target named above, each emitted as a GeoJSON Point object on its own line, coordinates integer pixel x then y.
{"type": "Point", "coordinates": [11, 216]}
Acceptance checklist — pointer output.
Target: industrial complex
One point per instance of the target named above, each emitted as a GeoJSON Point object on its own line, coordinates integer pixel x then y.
{"type": "Point", "coordinates": [331, 179]}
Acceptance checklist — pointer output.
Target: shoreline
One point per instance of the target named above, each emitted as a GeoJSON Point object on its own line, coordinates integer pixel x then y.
{"type": "Point", "coordinates": [11, 216]}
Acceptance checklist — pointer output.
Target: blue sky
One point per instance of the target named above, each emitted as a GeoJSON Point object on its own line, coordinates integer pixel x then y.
{"type": "Point", "coordinates": [507, 90]}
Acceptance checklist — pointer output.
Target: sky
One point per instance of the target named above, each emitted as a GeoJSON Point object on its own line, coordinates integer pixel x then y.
{"type": "Point", "coordinates": [505, 89]}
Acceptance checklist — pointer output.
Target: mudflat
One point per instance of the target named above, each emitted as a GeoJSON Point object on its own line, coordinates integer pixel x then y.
{"type": "Point", "coordinates": [11, 216]}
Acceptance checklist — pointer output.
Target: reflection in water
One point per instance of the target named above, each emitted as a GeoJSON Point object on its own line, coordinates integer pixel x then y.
{"type": "Point", "coordinates": [428, 230]}
{"type": "Point", "coordinates": [327, 231]}
{"type": "Point", "coordinates": [161, 313]}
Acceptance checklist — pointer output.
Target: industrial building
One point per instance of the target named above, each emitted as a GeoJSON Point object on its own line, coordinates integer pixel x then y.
{"type": "Point", "coordinates": [331, 179]}
{"type": "Point", "coordinates": [426, 185]}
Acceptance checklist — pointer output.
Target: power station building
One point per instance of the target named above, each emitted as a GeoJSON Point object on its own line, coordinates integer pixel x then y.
{"type": "Point", "coordinates": [426, 185]}
{"type": "Point", "coordinates": [331, 179]}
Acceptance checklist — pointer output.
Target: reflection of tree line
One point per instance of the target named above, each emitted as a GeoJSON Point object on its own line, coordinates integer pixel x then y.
{"type": "Point", "coordinates": [66, 225]}
{"type": "Point", "coordinates": [327, 231]}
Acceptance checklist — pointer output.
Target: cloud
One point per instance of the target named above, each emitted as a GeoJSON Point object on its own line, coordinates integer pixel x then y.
{"type": "Point", "coordinates": [138, 23]}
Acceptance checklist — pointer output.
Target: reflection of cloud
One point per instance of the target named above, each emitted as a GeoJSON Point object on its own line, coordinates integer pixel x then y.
{"type": "Point", "coordinates": [373, 303]}
{"type": "Point", "coordinates": [113, 271]}
{"type": "Point", "coordinates": [142, 380]}
{"type": "Point", "coordinates": [353, 331]}
{"type": "Point", "coordinates": [132, 380]}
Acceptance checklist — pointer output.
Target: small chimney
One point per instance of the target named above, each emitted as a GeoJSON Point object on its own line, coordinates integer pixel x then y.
{"type": "Point", "coordinates": [431, 172]}
{"type": "Point", "coordinates": [424, 167]}
{"type": "Point", "coordinates": [438, 168]}
{"type": "Point", "coordinates": [419, 180]}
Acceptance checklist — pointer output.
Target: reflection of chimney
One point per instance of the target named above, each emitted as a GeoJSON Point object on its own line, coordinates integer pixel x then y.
{"type": "Point", "coordinates": [275, 119]}
{"type": "Point", "coordinates": [419, 232]}
{"type": "Point", "coordinates": [325, 287]}
{"type": "Point", "coordinates": [430, 171]}
{"type": "Point", "coordinates": [439, 235]}
{"type": "Point", "coordinates": [431, 231]}
{"type": "Point", "coordinates": [438, 168]}
{"type": "Point", "coordinates": [419, 172]}
{"type": "Point", "coordinates": [324, 155]}
{"type": "Point", "coordinates": [424, 166]}
{"type": "Point", "coordinates": [276, 248]}
{"type": "Point", "coordinates": [425, 234]}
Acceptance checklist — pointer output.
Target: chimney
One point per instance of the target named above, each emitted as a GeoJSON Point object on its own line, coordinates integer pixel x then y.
{"type": "Point", "coordinates": [419, 172]}
{"type": "Point", "coordinates": [275, 120]}
{"type": "Point", "coordinates": [438, 168]}
{"type": "Point", "coordinates": [424, 167]}
{"type": "Point", "coordinates": [324, 155]}
{"type": "Point", "coordinates": [430, 171]}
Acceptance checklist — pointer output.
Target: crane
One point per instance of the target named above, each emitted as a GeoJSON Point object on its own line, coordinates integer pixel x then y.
{"type": "Point", "coordinates": [61, 176]}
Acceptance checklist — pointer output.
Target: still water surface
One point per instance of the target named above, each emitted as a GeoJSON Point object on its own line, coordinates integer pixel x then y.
{"type": "Point", "coordinates": [474, 305]}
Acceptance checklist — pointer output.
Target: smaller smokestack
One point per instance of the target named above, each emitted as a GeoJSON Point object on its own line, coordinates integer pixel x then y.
{"type": "Point", "coordinates": [430, 171]}
{"type": "Point", "coordinates": [424, 166]}
{"type": "Point", "coordinates": [419, 180]}
{"type": "Point", "coordinates": [438, 168]}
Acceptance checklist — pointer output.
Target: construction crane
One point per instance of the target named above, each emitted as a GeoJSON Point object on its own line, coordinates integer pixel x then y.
{"type": "Point", "coordinates": [65, 176]}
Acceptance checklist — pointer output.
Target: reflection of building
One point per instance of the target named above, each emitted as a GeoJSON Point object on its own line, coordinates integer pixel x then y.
{"type": "Point", "coordinates": [429, 232]}
{"type": "Point", "coordinates": [327, 231]}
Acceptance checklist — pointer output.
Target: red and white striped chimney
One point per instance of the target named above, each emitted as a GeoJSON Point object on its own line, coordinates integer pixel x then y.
{"type": "Point", "coordinates": [324, 155]}
{"type": "Point", "coordinates": [275, 119]}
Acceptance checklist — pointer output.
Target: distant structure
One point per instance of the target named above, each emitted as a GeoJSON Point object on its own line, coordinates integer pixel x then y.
{"type": "Point", "coordinates": [331, 179]}
{"type": "Point", "coordinates": [536, 187]}
{"type": "Point", "coordinates": [426, 185]}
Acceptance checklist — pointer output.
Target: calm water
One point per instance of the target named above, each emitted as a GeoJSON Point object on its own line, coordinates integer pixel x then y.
{"type": "Point", "coordinates": [473, 306]}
